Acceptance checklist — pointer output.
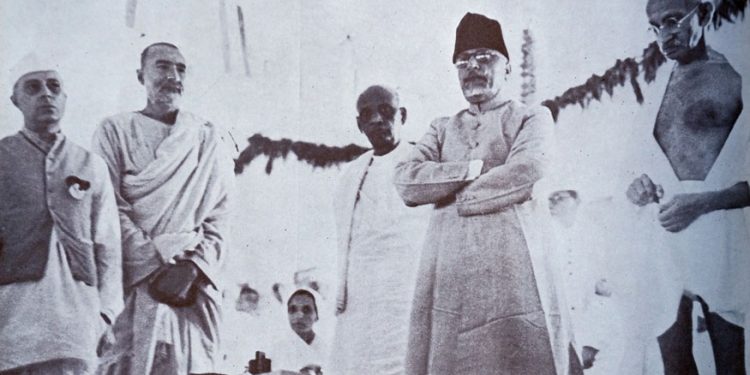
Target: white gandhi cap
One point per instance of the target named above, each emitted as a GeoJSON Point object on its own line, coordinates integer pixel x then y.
{"type": "Point", "coordinates": [30, 63]}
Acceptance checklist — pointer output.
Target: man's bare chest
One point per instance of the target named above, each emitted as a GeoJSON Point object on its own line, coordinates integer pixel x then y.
{"type": "Point", "coordinates": [695, 119]}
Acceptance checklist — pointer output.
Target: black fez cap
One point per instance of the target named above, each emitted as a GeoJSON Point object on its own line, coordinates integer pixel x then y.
{"type": "Point", "coordinates": [478, 31]}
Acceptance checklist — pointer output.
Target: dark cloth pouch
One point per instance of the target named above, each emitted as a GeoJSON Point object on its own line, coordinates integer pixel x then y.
{"type": "Point", "coordinates": [176, 285]}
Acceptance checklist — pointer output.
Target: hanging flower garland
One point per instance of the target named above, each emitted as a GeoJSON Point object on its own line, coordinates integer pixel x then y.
{"type": "Point", "coordinates": [317, 155]}
{"type": "Point", "coordinates": [623, 72]}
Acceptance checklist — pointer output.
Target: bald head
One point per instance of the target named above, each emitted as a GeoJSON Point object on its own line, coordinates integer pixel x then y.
{"type": "Point", "coordinates": [380, 117]}
{"type": "Point", "coordinates": [377, 93]}
{"type": "Point", "coordinates": [157, 45]}
{"type": "Point", "coordinates": [684, 4]}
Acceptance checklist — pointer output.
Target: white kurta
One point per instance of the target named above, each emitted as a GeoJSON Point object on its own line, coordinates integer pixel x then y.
{"type": "Point", "coordinates": [62, 310]}
{"type": "Point", "coordinates": [383, 253]}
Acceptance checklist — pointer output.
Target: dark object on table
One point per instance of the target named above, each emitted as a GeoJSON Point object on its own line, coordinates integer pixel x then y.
{"type": "Point", "coordinates": [259, 365]}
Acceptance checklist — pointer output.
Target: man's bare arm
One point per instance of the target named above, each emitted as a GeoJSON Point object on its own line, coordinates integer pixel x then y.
{"type": "Point", "coordinates": [683, 209]}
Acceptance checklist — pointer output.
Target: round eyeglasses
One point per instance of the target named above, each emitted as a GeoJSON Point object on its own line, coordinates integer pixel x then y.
{"type": "Point", "coordinates": [671, 23]}
{"type": "Point", "coordinates": [483, 58]}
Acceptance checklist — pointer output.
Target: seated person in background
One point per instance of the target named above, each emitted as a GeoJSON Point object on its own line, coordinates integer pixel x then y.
{"type": "Point", "coordinates": [585, 251]}
{"type": "Point", "coordinates": [248, 300]}
{"type": "Point", "coordinates": [300, 349]}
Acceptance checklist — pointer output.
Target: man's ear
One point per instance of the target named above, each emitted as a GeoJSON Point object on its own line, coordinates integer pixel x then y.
{"type": "Point", "coordinates": [402, 110]}
{"type": "Point", "coordinates": [705, 12]}
{"type": "Point", "coordinates": [359, 125]}
{"type": "Point", "coordinates": [140, 75]}
{"type": "Point", "coordinates": [14, 100]}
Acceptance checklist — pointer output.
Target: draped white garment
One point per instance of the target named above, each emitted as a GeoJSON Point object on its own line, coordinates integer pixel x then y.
{"type": "Point", "coordinates": [384, 243]}
{"type": "Point", "coordinates": [173, 190]}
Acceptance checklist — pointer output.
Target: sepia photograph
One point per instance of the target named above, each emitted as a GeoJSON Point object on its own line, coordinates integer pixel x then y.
{"type": "Point", "coordinates": [293, 187]}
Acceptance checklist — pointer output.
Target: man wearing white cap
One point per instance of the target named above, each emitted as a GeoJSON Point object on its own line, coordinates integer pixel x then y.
{"type": "Point", "coordinates": [60, 259]}
{"type": "Point", "coordinates": [693, 185]}
{"type": "Point", "coordinates": [172, 180]}
{"type": "Point", "coordinates": [479, 307]}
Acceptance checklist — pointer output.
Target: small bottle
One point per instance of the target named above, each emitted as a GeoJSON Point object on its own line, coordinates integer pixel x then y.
{"type": "Point", "coordinates": [259, 365]}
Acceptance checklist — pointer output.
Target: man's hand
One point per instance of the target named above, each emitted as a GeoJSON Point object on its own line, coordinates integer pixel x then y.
{"type": "Point", "coordinates": [681, 211]}
{"type": "Point", "coordinates": [643, 191]}
{"type": "Point", "coordinates": [106, 336]}
{"type": "Point", "coordinates": [588, 356]}
{"type": "Point", "coordinates": [173, 285]}
{"type": "Point", "coordinates": [311, 369]}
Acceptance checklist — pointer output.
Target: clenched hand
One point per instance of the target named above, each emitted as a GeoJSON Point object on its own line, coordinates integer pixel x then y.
{"type": "Point", "coordinates": [643, 191]}
{"type": "Point", "coordinates": [681, 211]}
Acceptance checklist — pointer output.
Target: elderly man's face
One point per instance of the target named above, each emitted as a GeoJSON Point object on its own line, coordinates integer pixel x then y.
{"type": "Point", "coordinates": [481, 72]}
{"type": "Point", "coordinates": [41, 99]}
{"type": "Point", "coordinates": [302, 315]}
{"type": "Point", "coordinates": [162, 74]}
{"type": "Point", "coordinates": [677, 25]}
{"type": "Point", "coordinates": [380, 118]}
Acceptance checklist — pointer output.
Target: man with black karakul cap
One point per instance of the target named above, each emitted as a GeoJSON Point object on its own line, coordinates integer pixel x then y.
{"type": "Point", "coordinates": [483, 301]}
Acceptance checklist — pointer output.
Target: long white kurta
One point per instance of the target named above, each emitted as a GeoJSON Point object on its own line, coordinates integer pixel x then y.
{"type": "Point", "coordinates": [381, 249]}
{"type": "Point", "coordinates": [173, 185]}
{"type": "Point", "coordinates": [486, 298]}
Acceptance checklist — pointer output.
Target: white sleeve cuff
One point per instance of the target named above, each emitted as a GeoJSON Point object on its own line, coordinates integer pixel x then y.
{"type": "Point", "coordinates": [475, 169]}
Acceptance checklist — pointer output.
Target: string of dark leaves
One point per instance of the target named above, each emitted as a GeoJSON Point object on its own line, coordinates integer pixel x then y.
{"type": "Point", "coordinates": [316, 155]}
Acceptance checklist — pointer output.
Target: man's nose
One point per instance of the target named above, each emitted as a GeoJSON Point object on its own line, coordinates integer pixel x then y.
{"type": "Point", "coordinates": [473, 64]}
{"type": "Point", "coordinates": [46, 92]}
{"type": "Point", "coordinates": [376, 118]}
{"type": "Point", "coordinates": [174, 75]}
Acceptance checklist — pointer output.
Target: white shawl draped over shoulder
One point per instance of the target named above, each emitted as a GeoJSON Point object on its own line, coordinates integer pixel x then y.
{"type": "Point", "coordinates": [176, 205]}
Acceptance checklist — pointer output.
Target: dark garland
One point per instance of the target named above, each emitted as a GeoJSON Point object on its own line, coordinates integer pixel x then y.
{"type": "Point", "coordinates": [624, 71]}
{"type": "Point", "coordinates": [317, 155]}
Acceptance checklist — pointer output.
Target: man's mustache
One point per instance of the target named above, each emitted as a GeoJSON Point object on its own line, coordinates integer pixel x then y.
{"type": "Point", "coordinates": [169, 86]}
{"type": "Point", "coordinates": [475, 77]}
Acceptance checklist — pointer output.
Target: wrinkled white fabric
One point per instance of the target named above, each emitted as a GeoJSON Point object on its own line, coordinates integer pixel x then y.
{"type": "Point", "coordinates": [384, 247]}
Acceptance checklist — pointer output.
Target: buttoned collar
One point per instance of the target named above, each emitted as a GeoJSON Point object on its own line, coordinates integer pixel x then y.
{"type": "Point", "coordinates": [494, 103]}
